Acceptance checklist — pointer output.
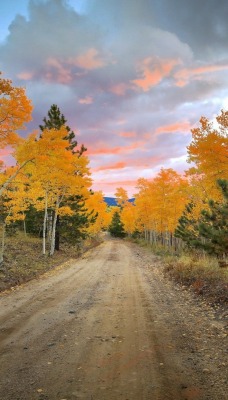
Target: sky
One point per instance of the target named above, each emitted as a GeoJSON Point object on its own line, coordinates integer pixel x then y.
{"type": "Point", "coordinates": [132, 77]}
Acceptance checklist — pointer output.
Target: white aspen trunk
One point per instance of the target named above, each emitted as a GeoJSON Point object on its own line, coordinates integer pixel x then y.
{"type": "Point", "coordinates": [168, 239]}
{"type": "Point", "coordinates": [45, 224]}
{"type": "Point", "coordinates": [49, 226]}
{"type": "Point", "coordinates": [155, 237]}
{"type": "Point", "coordinates": [145, 234]}
{"type": "Point", "coordinates": [3, 242]}
{"type": "Point", "coordinates": [54, 227]}
{"type": "Point", "coordinates": [151, 236]}
{"type": "Point", "coordinates": [24, 224]}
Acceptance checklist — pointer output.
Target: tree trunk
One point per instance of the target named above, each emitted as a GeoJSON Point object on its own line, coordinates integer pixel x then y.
{"type": "Point", "coordinates": [49, 226]}
{"type": "Point", "coordinates": [24, 225]}
{"type": "Point", "coordinates": [3, 242]}
{"type": "Point", "coordinates": [57, 234]}
{"type": "Point", "coordinates": [45, 224]}
{"type": "Point", "coordinates": [52, 250]}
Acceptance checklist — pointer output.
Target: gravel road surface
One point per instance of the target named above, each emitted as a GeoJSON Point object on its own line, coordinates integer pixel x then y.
{"type": "Point", "coordinates": [110, 326]}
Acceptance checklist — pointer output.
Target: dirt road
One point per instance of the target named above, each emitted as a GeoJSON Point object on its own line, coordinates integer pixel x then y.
{"type": "Point", "coordinates": [109, 326]}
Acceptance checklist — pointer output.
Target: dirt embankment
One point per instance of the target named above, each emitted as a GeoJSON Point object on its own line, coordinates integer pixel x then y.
{"type": "Point", "coordinates": [109, 326]}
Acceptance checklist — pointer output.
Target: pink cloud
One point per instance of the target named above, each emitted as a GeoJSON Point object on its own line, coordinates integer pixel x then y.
{"type": "Point", "coordinates": [58, 71]}
{"type": "Point", "coordinates": [5, 152]}
{"type": "Point", "coordinates": [116, 150]}
{"type": "Point", "coordinates": [119, 89]}
{"type": "Point", "coordinates": [61, 70]}
{"type": "Point", "coordinates": [183, 76]}
{"type": "Point", "coordinates": [109, 188]}
{"type": "Point", "coordinates": [129, 134]}
{"type": "Point", "coordinates": [86, 100]}
{"type": "Point", "coordinates": [25, 75]}
{"type": "Point", "coordinates": [153, 70]}
{"type": "Point", "coordinates": [118, 165]}
{"type": "Point", "coordinates": [6, 156]}
{"type": "Point", "coordinates": [89, 60]}
{"type": "Point", "coordinates": [177, 127]}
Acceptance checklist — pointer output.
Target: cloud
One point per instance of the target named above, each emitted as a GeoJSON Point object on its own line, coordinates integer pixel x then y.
{"type": "Point", "coordinates": [132, 78]}
{"type": "Point", "coordinates": [177, 127]}
{"type": "Point", "coordinates": [183, 76]}
{"type": "Point", "coordinates": [117, 150]}
{"type": "Point", "coordinates": [120, 89]}
{"type": "Point", "coordinates": [201, 25]}
{"type": "Point", "coordinates": [87, 100]}
{"type": "Point", "coordinates": [118, 165]}
{"type": "Point", "coordinates": [153, 71]}
{"type": "Point", "coordinates": [25, 75]}
{"type": "Point", "coordinates": [90, 59]}
{"type": "Point", "coordinates": [129, 134]}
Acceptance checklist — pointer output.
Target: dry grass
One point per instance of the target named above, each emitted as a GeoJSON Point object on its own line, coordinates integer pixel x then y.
{"type": "Point", "coordinates": [202, 274]}
{"type": "Point", "coordinates": [24, 261]}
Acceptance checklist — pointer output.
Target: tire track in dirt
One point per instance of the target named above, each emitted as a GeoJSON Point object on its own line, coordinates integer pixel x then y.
{"type": "Point", "coordinates": [102, 328]}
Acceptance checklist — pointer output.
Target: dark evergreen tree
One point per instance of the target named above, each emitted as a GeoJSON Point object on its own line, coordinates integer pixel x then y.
{"type": "Point", "coordinates": [73, 228]}
{"type": "Point", "coordinates": [213, 225]}
{"type": "Point", "coordinates": [34, 221]}
{"type": "Point", "coordinates": [56, 120]}
{"type": "Point", "coordinates": [187, 228]}
{"type": "Point", "coordinates": [210, 231]}
{"type": "Point", "coordinates": [116, 227]}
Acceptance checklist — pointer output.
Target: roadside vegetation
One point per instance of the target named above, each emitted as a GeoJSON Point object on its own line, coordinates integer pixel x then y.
{"type": "Point", "coordinates": [24, 261]}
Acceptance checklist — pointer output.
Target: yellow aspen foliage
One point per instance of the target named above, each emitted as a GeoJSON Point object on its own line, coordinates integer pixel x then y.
{"type": "Point", "coordinates": [160, 202]}
{"type": "Point", "coordinates": [121, 196]}
{"type": "Point", "coordinates": [15, 110]}
{"type": "Point", "coordinates": [14, 201]}
{"type": "Point", "coordinates": [96, 204]}
{"type": "Point", "coordinates": [208, 150]}
{"type": "Point", "coordinates": [129, 218]}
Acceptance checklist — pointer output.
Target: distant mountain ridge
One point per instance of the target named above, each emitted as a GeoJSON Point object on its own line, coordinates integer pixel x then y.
{"type": "Point", "coordinates": [111, 201]}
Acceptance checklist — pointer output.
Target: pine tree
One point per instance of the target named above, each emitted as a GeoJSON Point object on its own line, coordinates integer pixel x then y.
{"type": "Point", "coordinates": [213, 224]}
{"type": "Point", "coordinates": [187, 228]}
{"type": "Point", "coordinates": [210, 231]}
{"type": "Point", "coordinates": [56, 120]}
{"type": "Point", "coordinates": [116, 228]}
{"type": "Point", "coordinates": [74, 228]}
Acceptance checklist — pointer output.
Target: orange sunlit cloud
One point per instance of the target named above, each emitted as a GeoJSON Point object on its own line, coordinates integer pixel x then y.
{"type": "Point", "coordinates": [5, 152]}
{"type": "Point", "coordinates": [119, 89]}
{"type": "Point", "coordinates": [129, 134]}
{"type": "Point", "coordinates": [116, 150]}
{"type": "Point", "coordinates": [88, 60]}
{"type": "Point", "coordinates": [61, 70]}
{"type": "Point", "coordinates": [178, 127]}
{"type": "Point", "coordinates": [153, 71]}
{"type": "Point", "coordinates": [184, 75]}
{"type": "Point", "coordinates": [118, 165]}
{"type": "Point", "coordinates": [110, 187]}
{"type": "Point", "coordinates": [86, 100]}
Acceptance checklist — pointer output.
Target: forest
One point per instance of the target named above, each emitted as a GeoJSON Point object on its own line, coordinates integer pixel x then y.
{"type": "Point", "coordinates": [46, 192]}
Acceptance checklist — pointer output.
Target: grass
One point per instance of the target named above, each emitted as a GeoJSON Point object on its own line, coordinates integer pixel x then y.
{"type": "Point", "coordinates": [24, 260]}
{"type": "Point", "coordinates": [199, 272]}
